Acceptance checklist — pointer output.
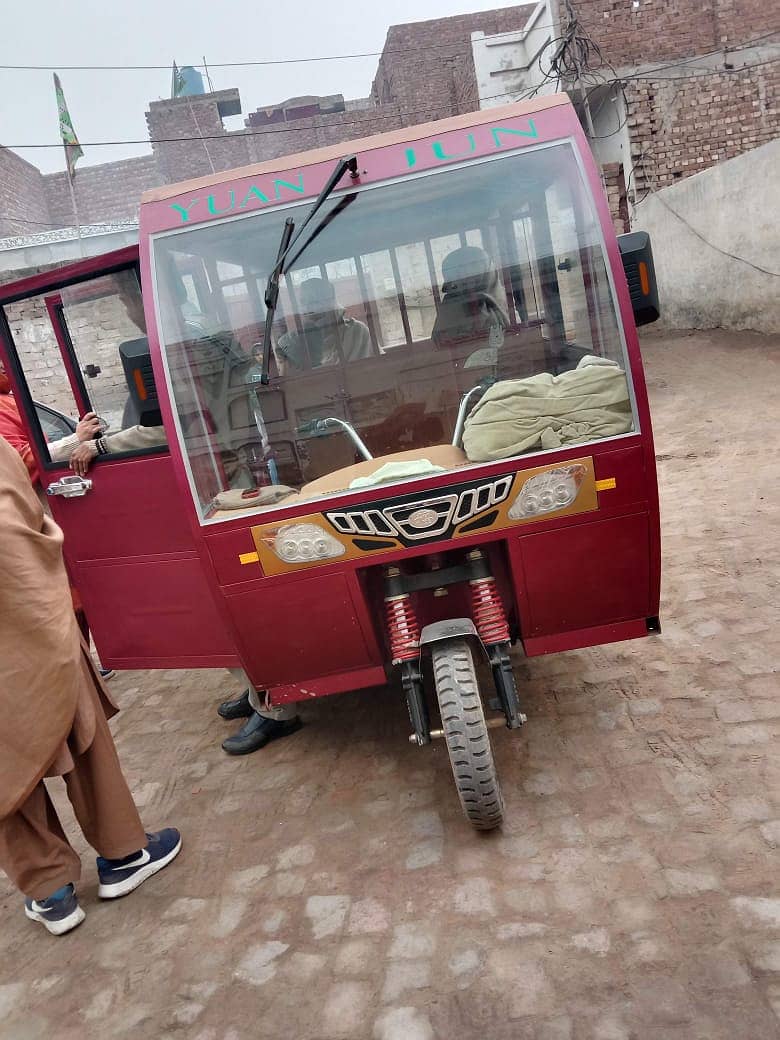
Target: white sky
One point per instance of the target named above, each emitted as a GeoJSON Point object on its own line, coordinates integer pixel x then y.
{"type": "Point", "coordinates": [107, 105]}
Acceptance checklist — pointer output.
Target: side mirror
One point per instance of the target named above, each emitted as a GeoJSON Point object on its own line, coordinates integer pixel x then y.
{"type": "Point", "coordinates": [637, 255]}
{"type": "Point", "coordinates": [137, 365]}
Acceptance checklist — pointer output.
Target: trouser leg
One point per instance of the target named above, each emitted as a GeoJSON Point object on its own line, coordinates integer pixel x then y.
{"type": "Point", "coordinates": [34, 852]}
{"type": "Point", "coordinates": [284, 713]}
{"type": "Point", "coordinates": [83, 624]}
{"type": "Point", "coordinates": [101, 798]}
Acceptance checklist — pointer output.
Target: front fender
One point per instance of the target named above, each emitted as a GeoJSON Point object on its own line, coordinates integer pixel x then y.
{"type": "Point", "coordinates": [452, 628]}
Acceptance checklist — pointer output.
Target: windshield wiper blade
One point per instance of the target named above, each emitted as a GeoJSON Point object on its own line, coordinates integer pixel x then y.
{"type": "Point", "coordinates": [286, 244]}
{"type": "Point", "coordinates": [301, 247]}
{"type": "Point", "coordinates": [272, 295]}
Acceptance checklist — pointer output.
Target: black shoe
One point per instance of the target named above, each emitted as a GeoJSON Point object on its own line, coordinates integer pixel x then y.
{"type": "Point", "coordinates": [239, 708]}
{"type": "Point", "coordinates": [256, 732]}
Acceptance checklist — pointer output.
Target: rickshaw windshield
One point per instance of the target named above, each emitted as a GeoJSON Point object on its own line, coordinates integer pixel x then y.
{"type": "Point", "coordinates": [434, 322]}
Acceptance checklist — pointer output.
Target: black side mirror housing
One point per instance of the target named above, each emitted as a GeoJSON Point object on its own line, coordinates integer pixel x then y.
{"type": "Point", "coordinates": [637, 256]}
{"type": "Point", "coordinates": [137, 365]}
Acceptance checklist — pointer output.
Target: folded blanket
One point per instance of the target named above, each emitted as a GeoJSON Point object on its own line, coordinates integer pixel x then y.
{"type": "Point", "coordinates": [545, 411]}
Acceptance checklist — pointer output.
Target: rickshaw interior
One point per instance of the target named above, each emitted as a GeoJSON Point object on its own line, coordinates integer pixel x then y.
{"type": "Point", "coordinates": [487, 279]}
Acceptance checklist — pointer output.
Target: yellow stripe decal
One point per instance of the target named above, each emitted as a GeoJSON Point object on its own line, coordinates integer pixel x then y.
{"type": "Point", "coordinates": [607, 484]}
{"type": "Point", "coordinates": [252, 557]}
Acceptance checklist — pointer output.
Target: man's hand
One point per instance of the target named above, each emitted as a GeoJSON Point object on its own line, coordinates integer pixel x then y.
{"type": "Point", "coordinates": [82, 456]}
{"type": "Point", "coordinates": [87, 427]}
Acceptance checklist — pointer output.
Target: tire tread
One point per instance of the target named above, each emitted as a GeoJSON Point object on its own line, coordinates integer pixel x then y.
{"type": "Point", "coordinates": [467, 736]}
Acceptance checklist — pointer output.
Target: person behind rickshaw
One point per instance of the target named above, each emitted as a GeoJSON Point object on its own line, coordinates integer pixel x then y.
{"type": "Point", "coordinates": [329, 336]}
{"type": "Point", "coordinates": [469, 313]}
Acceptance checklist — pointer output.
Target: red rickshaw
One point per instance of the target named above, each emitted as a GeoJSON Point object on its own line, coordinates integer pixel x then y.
{"type": "Point", "coordinates": [398, 422]}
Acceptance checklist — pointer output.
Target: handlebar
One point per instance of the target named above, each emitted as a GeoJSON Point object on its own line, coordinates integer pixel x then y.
{"type": "Point", "coordinates": [321, 426]}
{"type": "Point", "coordinates": [460, 422]}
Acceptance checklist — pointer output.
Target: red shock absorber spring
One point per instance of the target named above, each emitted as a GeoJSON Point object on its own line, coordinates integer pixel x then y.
{"type": "Point", "coordinates": [402, 628]}
{"type": "Point", "coordinates": [488, 611]}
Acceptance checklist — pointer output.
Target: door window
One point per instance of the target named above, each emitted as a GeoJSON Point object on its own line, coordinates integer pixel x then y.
{"type": "Point", "coordinates": [77, 348]}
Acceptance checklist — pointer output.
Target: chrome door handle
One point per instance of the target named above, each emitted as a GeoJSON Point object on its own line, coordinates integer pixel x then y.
{"type": "Point", "coordinates": [70, 487]}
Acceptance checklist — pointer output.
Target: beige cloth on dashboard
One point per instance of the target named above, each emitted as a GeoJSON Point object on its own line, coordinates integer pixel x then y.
{"type": "Point", "coordinates": [546, 411]}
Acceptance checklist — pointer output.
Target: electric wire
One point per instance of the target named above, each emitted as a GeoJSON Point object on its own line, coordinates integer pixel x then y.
{"type": "Point", "coordinates": [576, 55]}
{"type": "Point", "coordinates": [547, 76]}
{"type": "Point", "coordinates": [313, 58]}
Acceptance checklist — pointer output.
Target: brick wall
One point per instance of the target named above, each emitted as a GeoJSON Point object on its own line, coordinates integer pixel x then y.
{"type": "Point", "coordinates": [615, 184]}
{"type": "Point", "coordinates": [39, 355]}
{"type": "Point", "coordinates": [742, 20]}
{"type": "Point", "coordinates": [23, 205]}
{"type": "Point", "coordinates": [682, 127]}
{"type": "Point", "coordinates": [427, 68]}
{"type": "Point", "coordinates": [97, 328]}
{"type": "Point", "coordinates": [317, 131]}
{"type": "Point", "coordinates": [188, 118]}
{"type": "Point", "coordinates": [111, 191]}
{"type": "Point", "coordinates": [668, 29]}
{"type": "Point", "coordinates": [426, 71]}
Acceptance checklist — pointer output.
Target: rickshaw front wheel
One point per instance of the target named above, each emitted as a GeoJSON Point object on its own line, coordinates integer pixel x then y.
{"type": "Point", "coordinates": [466, 733]}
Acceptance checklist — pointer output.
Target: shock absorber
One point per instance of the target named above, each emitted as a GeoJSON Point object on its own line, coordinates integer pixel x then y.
{"type": "Point", "coordinates": [490, 620]}
{"type": "Point", "coordinates": [403, 630]}
{"type": "Point", "coordinates": [487, 609]}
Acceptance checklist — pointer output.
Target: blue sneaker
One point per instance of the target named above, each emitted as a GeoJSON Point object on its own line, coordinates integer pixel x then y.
{"type": "Point", "coordinates": [60, 913]}
{"type": "Point", "coordinates": [120, 876]}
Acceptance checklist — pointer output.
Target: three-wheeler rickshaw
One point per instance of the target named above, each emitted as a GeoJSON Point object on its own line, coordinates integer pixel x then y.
{"type": "Point", "coordinates": [379, 408]}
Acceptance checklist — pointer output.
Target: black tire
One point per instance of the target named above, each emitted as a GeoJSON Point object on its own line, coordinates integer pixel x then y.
{"type": "Point", "coordinates": [468, 741]}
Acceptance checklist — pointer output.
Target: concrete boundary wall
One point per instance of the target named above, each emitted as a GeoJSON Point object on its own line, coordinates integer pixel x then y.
{"type": "Point", "coordinates": [735, 207]}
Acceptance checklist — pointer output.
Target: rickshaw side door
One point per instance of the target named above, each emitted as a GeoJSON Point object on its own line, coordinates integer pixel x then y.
{"type": "Point", "coordinates": [129, 550]}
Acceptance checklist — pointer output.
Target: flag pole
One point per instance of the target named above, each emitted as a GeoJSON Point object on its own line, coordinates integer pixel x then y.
{"type": "Point", "coordinates": [73, 152]}
{"type": "Point", "coordinates": [75, 212]}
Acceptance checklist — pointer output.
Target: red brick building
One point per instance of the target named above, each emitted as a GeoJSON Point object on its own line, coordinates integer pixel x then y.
{"type": "Point", "coordinates": [718, 95]}
{"type": "Point", "coordinates": [698, 84]}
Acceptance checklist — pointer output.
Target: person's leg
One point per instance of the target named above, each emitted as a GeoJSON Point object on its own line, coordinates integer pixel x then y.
{"type": "Point", "coordinates": [237, 707]}
{"type": "Point", "coordinates": [34, 852]}
{"type": "Point", "coordinates": [282, 713]}
{"type": "Point", "coordinates": [101, 799]}
{"type": "Point", "coordinates": [107, 814]}
{"type": "Point", "coordinates": [263, 725]}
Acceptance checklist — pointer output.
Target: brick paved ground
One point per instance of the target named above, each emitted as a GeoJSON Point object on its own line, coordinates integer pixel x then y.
{"type": "Point", "coordinates": [329, 887]}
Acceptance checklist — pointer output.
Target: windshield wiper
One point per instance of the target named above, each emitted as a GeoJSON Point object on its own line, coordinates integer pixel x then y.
{"type": "Point", "coordinates": [300, 247]}
{"type": "Point", "coordinates": [286, 244]}
{"type": "Point", "coordinates": [272, 295]}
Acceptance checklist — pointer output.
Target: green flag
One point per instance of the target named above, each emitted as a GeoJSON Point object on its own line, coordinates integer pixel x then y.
{"type": "Point", "coordinates": [73, 150]}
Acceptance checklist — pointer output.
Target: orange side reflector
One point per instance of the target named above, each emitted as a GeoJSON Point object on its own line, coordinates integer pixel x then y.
{"type": "Point", "coordinates": [644, 278]}
{"type": "Point", "coordinates": [607, 484]}
{"type": "Point", "coordinates": [245, 558]}
{"type": "Point", "coordinates": [139, 384]}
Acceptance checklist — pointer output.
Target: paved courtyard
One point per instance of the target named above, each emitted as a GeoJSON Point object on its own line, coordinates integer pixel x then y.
{"type": "Point", "coordinates": [329, 888]}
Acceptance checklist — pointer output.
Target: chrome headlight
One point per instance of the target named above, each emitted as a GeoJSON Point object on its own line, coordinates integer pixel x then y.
{"type": "Point", "coordinates": [547, 492]}
{"type": "Point", "coordinates": [305, 543]}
